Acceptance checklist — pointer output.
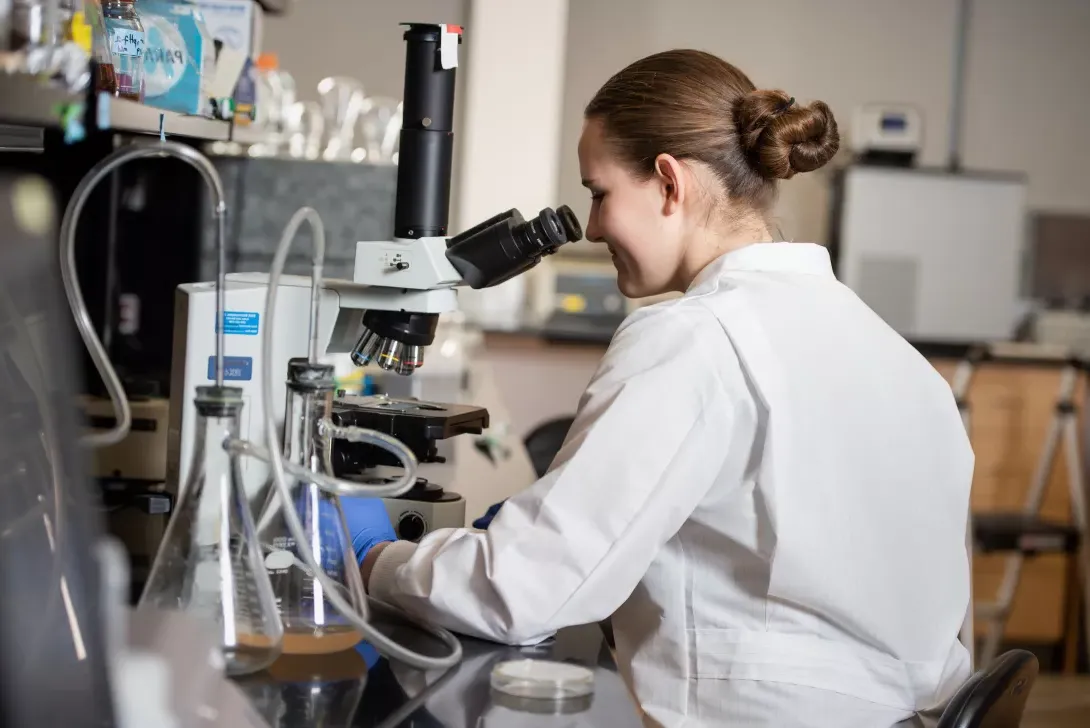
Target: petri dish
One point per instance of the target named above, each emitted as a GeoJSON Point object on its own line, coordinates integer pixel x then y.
{"type": "Point", "coordinates": [542, 679]}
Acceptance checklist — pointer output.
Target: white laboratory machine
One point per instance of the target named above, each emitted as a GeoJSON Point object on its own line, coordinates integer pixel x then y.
{"type": "Point", "coordinates": [887, 133]}
{"type": "Point", "coordinates": [938, 255]}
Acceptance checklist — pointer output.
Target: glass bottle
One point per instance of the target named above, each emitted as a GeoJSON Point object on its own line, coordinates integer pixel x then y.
{"type": "Point", "coordinates": [105, 75]}
{"type": "Point", "coordinates": [311, 624]}
{"type": "Point", "coordinates": [125, 35]}
{"type": "Point", "coordinates": [209, 563]}
{"type": "Point", "coordinates": [27, 24]}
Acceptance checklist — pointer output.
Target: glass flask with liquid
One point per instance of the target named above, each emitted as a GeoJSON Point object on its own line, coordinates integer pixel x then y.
{"type": "Point", "coordinates": [311, 624]}
{"type": "Point", "coordinates": [125, 35]}
{"type": "Point", "coordinates": [209, 564]}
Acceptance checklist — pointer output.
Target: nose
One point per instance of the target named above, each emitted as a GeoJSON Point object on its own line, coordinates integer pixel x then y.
{"type": "Point", "coordinates": [594, 230]}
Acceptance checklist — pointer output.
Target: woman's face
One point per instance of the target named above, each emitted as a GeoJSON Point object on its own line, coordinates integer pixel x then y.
{"type": "Point", "coordinates": [631, 217]}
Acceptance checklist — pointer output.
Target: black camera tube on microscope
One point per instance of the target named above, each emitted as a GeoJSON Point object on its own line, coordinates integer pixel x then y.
{"type": "Point", "coordinates": [427, 135]}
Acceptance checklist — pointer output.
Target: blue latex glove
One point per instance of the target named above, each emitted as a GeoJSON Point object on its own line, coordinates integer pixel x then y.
{"type": "Point", "coordinates": [484, 521]}
{"type": "Point", "coordinates": [368, 524]}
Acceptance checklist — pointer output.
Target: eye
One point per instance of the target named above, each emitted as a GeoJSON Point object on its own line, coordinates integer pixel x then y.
{"type": "Point", "coordinates": [596, 196]}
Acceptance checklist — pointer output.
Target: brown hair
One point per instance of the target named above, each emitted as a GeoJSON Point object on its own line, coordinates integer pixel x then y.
{"type": "Point", "coordinates": [693, 105]}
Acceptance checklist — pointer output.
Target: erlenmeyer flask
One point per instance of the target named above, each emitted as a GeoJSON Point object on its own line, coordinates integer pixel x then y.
{"type": "Point", "coordinates": [311, 624]}
{"type": "Point", "coordinates": [209, 563]}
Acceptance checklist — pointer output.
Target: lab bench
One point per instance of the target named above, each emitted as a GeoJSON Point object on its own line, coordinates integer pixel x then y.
{"type": "Point", "coordinates": [358, 688]}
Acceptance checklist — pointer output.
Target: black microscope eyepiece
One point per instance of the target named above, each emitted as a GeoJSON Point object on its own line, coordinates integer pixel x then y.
{"type": "Point", "coordinates": [505, 245]}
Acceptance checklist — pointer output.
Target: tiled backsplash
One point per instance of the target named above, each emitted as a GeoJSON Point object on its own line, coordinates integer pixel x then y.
{"type": "Point", "coordinates": [355, 202]}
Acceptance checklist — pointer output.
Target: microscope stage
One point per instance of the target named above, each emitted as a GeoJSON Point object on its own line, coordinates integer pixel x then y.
{"type": "Point", "coordinates": [416, 423]}
{"type": "Point", "coordinates": [414, 418]}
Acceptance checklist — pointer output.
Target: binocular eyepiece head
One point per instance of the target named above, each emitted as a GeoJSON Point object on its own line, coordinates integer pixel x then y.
{"type": "Point", "coordinates": [503, 246]}
{"type": "Point", "coordinates": [486, 255]}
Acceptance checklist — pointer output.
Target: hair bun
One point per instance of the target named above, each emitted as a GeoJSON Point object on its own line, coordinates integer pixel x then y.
{"type": "Point", "coordinates": [780, 138]}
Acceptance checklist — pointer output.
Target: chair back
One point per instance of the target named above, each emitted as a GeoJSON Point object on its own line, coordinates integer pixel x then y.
{"type": "Point", "coordinates": [544, 442]}
{"type": "Point", "coordinates": [994, 697]}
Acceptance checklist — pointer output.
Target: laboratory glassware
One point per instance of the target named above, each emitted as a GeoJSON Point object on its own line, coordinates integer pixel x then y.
{"type": "Point", "coordinates": [343, 101]}
{"type": "Point", "coordinates": [381, 126]}
{"type": "Point", "coordinates": [105, 79]}
{"type": "Point", "coordinates": [28, 24]}
{"type": "Point", "coordinates": [312, 625]}
{"type": "Point", "coordinates": [275, 95]}
{"type": "Point", "coordinates": [209, 563]}
{"type": "Point", "coordinates": [281, 467]}
{"type": "Point", "coordinates": [305, 126]}
{"type": "Point", "coordinates": [125, 35]}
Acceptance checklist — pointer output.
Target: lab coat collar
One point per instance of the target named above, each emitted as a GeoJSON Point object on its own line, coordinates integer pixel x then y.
{"type": "Point", "coordinates": [806, 258]}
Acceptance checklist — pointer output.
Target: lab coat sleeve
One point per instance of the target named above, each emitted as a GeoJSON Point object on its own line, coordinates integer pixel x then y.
{"type": "Point", "coordinates": [666, 409]}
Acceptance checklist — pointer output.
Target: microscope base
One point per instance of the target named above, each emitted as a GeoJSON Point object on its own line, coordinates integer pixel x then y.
{"type": "Point", "coordinates": [413, 519]}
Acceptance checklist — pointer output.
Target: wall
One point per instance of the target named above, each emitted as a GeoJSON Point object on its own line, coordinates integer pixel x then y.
{"type": "Point", "coordinates": [515, 57]}
{"type": "Point", "coordinates": [1027, 67]}
{"type": "Point", "coordinates": [1029, 96]}
{"type": "Point", "coordinates": [362, 39]}
{"type": "Point", "coordinates": [510, 133]}
{"type": "Point", "coordinates": [357, 38]}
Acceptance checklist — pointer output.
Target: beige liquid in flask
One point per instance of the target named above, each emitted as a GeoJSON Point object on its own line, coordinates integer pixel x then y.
{"type": "Point", "coordinates": [312, 625]}
{"type": "Point", "coordinates": [337, 639]}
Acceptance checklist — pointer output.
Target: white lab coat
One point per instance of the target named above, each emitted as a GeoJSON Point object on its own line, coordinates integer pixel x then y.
{"type": "Point", "coordinates": [765, 486]}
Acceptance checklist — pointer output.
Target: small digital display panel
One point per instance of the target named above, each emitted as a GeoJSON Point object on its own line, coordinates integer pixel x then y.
{"type": "Point", "coordinates": [894, 122]}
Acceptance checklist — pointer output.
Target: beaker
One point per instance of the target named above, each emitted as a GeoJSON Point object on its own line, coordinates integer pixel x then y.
{"type": "Point", "coordinates": [209, 563]}
{"type": "Point", "coordinates": [311, 624]}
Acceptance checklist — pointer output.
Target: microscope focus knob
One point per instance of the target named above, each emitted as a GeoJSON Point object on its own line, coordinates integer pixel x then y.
{"type": "Point", "coordinates": [411, 527]}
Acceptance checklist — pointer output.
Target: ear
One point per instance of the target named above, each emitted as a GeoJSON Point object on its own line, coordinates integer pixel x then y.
{"type": "Point", "coordinates": [673, 183]}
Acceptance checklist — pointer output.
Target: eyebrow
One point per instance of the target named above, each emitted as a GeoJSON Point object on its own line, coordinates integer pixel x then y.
{"type": "Point", "coordinates": [588, 182]}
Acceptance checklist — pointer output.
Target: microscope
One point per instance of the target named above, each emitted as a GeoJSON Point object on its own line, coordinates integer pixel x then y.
{"type": "Point", "coordinates": [387, 315]}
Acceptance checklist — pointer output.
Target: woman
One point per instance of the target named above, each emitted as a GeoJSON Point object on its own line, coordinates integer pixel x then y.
{"type": "Point", "coordinates": [765, 486]}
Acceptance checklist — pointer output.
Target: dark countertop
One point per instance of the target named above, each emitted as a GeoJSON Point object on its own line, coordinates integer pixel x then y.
{"type": "Point", "coordinates": [575, 330]}
{"type": "Point", "coordinates": [359, 689]}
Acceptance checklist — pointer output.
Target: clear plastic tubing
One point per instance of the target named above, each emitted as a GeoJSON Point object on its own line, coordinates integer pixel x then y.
{"type": "Point", "coordinates": [379, 641]}
{"type": "Point", "coordinates": [122, 411]}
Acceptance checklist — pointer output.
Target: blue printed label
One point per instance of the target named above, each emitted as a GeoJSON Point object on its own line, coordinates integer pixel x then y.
{"type": "Point", "coordinates": [243, 323]}
{"type": "Point", "coordinates": [235, 368]}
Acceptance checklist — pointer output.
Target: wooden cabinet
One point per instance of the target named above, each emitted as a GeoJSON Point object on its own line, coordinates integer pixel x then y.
{"type": "Point", "coordinates": [1012, 408]}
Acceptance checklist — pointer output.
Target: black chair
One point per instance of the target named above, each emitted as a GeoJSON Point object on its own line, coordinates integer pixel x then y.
{"type": "Point", "coordinates": [994, 697]}
{"type": "Point", "coordinates": [544, 441]}
{"type": "Point", "coordinates": [1030, 535]}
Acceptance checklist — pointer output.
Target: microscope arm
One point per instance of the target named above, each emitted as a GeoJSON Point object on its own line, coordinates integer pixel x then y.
{"type": "Point", "coordinates": [418, 264]}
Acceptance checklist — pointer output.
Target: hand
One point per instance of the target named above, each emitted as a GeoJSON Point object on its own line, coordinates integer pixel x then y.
{"type": "Point", "coordinates": [368, 524]}
{"type": "Point", "coordinates": [367, 564]}
{"type": "Point", "coordinates": [483, 522]}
